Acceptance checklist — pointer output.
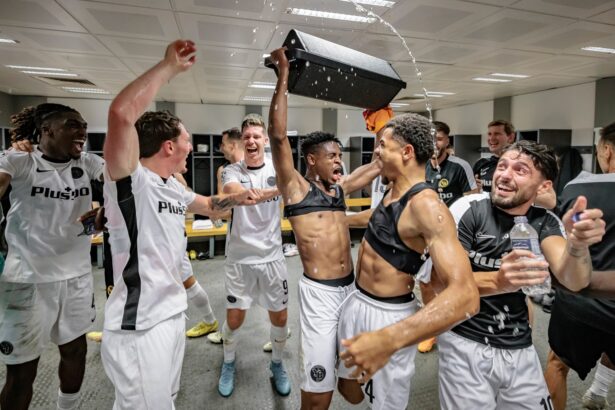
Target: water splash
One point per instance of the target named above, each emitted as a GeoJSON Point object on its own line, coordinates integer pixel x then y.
{"type": "Point", "coordinates": [418, 72]}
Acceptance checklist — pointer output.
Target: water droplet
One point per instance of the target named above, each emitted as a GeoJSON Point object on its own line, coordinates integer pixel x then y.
{"type": "Point", "coordinates": [490, 329]}
{"type": "Point", "coordinates": [339, 99]}
{"type": "Point", "coordinates": [486, 340]}
{"type": "Point", "coordinates": [232, 54]}
{"type": "Point", "coordinates": [324, 69]}
{"type": "Point", "coordinates": [346, 116]}
{"type": "Point", "coordinates": [351, 69]}
{"type": "Point", "coordinates": [515, 331]}
{"type": "Point", "coordinates": [505, 308]}
{"type": "Point", "coordinates": [286, 92]}
{"type": "Point", "coordinates": [328, 78]}
{"type": "Point", "coordinates": [307, 63]}
{"type": "Point", "coordinates": [393, 250]}
{"type": "Point", "coordinates": [352, 84]}
{"type": "Point", "coordinates": [275, 107]}
{"type": "Point", "coordinates": [292, 41]}
{"type": "Point", "coordinates": [315, 82]}
{"type": "Point", "coordinates": [346, 77]}
{"type": "Point", "coordinates": [255, 29]}
{"type": "Point", "coordinates": [440, 218]}
{"type": "Point", "coordinates": [468, 315]}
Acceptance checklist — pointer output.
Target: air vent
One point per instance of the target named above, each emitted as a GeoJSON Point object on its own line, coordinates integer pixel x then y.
{"type": "Point", "coordinates": [65, 81]}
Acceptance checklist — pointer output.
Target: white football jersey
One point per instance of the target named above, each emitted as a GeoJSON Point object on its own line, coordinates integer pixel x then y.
{"type": "Point", "coordinates": [146, 222]}
{"type": "Point", "coordinates": [42, 231]}
{"type": "Point", "coordinates": [254, 234]}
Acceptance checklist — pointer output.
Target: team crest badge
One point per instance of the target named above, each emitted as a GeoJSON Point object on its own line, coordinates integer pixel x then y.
{"type": "Point", "coordinates": [443, 183]}
{"type": "Point", "coordinates": [77, 172]}
{"type": "Point", "coordinates": [6, 348]}
{"type": "Point", "coordinates": [318, 373]}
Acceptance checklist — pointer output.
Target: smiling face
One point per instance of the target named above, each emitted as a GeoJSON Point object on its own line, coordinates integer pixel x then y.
{"type": "Point", "coordinates": [516, 181]}
{"type": "Point", "coordinates": [66, 132]}
{"type": "Point", "coordinates": [497, 139]}
{"type": "Point", "coordinates": [181, 148]}
{"type": "Point", "coordinates": [254, 140]}
{"type": "Point", "coordinates": [390, 151]}
{"type": "Point", "coordinates": [326, 161]}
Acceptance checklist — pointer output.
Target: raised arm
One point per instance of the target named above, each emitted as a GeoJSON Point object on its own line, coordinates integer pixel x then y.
{"type": "Point", "coordinates": [288, 179]}
{"type": "Point", "coordinates": [569, 258]}
{"type": "Point", "coordinates": [121, 147]}
{"type": "Point", "coordinates": [361, 176]}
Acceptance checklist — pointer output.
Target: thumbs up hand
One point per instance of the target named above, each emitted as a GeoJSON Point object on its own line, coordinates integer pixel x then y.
{"type": "Point", "coordinates": [584, 227]}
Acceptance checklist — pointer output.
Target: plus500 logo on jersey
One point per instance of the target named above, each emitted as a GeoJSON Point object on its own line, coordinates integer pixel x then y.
{"type": "Point", "coordinates": [170, 208]}
{"type": "Point", "coordinates": [67, 194]}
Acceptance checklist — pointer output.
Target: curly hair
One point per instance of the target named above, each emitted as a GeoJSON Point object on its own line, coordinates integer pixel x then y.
{"type": "Point", "coordinates": [154, 128]}
{"type": "Point", "coordinates": [28, 122]}
{"type": "Point", "coordinates": [413, 129]}
{"type": "Point", "coordinates": [313, 141]}
{"type": "Point", "coordinates": [543, 157]}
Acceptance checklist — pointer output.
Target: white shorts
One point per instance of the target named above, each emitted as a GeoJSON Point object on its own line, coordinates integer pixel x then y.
{"type": "Point", "coordinates": [265, 283]}
{"type": "Point", "coordinates": [319, 311]}
{"type": "Point", "coordinates": [186, 272]}
{"type": "Point", "coordinates": [145, 365]}
{"type": "Point", "coordinates": [477, 376]}
{"type": "Point", "coordinates": [33, 314]}
{"type": "Point", "coordinates": [389, 387]}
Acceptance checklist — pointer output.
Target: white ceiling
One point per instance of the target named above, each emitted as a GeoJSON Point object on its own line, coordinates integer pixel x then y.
{"type": "Point", "coordinates": [110, 42]}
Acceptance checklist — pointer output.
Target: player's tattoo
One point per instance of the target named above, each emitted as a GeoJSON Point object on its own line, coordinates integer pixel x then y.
{"type": "Point", "coordinates": [222, 204]}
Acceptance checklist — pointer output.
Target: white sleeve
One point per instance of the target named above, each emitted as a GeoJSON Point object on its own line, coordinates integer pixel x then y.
{"type": "Point", "coordinates": [14, 163]}
{"type": "Point", "coordinates": [230, 174]}
{"type": "Point", "coordinates": [94, 165]}
{"type": "Point", "coordinates": [189, 196]}
{"type": "Point", "coordinates": [126, 186]}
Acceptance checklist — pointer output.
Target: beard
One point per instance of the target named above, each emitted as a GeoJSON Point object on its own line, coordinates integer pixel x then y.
{"type": "Point", "coordinates": [509, 203]}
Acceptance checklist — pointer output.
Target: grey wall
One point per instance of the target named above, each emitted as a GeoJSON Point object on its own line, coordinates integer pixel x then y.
{"type": "Point", "coordinates": [6, 109]}
{"type": "Point", "coordinates": [605, 102]}
{"type": "Point", "coordinates": [502, 108]}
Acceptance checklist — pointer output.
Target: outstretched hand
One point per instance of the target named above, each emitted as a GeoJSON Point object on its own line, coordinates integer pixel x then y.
{"type": "Point", "coordinates": [181, 54]}
{"type": "Point", "coordinates": [584, 226]}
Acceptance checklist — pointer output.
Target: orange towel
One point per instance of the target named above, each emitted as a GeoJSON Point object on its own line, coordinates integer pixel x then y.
{"type": "Point", "coordinates": [375, 120]}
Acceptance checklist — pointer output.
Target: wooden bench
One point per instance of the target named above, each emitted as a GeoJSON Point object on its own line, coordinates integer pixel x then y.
{"type": "Point", "coordinates": [211, 233]}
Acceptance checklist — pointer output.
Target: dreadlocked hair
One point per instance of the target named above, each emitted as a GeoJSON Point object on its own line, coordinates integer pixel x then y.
{"type": "Point", "coordinates": [28, 122]}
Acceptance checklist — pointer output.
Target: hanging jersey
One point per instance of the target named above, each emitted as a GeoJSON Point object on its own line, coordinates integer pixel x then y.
{"type": "Point", "coordinates": [455, 178]}
{"type": "Point", "coordinates": [597, 189]}
{"type": "Point", "coordinates": [316, 201]}
{"type": "Point", "coordinates": [146, 223]}
{"type": "Point", "coordinates": [483, 231]}
{"type": "Point", "coordinates": [254, 235]}
{"type": "Point", "coordinates": [47, 199]}
{"type": "Point", "coordinates": [484, 168]}
{"type": "Point", "coordinates": [383, 237]}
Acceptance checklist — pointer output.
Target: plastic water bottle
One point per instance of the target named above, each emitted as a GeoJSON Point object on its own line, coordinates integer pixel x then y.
{"type": "Point", "coordinates": [524, 236]}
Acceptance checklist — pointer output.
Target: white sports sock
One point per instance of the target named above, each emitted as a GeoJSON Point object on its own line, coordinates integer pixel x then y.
{"type": "Point", "coordinates": [603, 378]}
{"type": "Point", "coordinates": [198, 296]}
{"type": "Point", "coordinates": [229, 343]}
{"type": "Point", "coordinates": [67, 401]}
{"type": "Point", "coordinates": [278, 337]}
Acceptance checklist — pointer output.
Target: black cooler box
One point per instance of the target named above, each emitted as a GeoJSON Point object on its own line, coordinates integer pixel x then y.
{"type": "Point", "coordinates": [331, 72]}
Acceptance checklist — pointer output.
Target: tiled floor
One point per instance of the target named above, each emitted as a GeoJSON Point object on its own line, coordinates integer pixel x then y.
{"type": "Point", "coordinates": [253, 389]}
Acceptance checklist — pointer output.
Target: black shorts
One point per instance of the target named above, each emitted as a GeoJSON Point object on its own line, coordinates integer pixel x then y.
{"type": "Point", "coordinates": [578, 344]}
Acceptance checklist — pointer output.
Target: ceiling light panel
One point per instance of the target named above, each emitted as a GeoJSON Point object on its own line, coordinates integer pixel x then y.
{"type": "Point", "coordinates": [355, 18]}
